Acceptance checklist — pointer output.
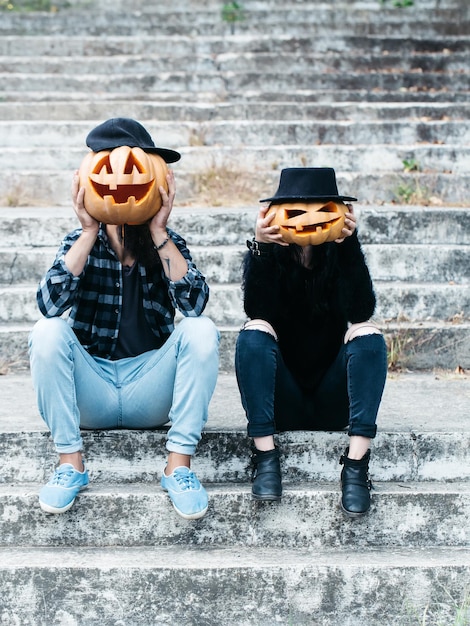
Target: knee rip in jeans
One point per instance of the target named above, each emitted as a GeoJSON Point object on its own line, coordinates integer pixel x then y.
{"type": "Point", "coordinates": [360, 329]}
{"type": "Point", "coordinates": [259, 324]}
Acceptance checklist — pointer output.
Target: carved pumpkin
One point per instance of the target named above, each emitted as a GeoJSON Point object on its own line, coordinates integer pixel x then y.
{"type": "Point", "coordinates": [122, 185]}
{"type": "Point", "coordinates": [310, 223]}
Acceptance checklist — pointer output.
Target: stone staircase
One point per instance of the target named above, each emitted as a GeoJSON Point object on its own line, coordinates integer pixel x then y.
{"type": "Point", "coordinates": [376, 91]}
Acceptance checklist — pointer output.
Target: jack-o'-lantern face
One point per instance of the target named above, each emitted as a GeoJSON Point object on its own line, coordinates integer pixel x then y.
{"type": "Point", "coordinates": [311, 223]}
{"type": "Point", "coordinates": [122, 185]}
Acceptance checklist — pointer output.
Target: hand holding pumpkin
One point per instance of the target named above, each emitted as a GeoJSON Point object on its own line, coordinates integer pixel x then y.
{"type": "Point", "coordinates": [349, 224]}
{"type": "Point", "coordinates": [87, 222]}
{"type": "Point", "coordinates": [160, 219]}
{"type": "Point", "coordinates": [265, 232]}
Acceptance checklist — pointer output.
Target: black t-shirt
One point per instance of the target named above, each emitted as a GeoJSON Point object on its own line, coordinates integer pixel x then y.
{"type": "Point", "coordinates": [135, 334]}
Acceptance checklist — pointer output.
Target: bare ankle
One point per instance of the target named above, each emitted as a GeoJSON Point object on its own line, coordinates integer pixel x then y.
{"type": "Point", "coordinates": [175, 459]}
{"type": "Point", "coordinates": [74, 458]}
{"type": "Point", "coordinates": [264, 444]}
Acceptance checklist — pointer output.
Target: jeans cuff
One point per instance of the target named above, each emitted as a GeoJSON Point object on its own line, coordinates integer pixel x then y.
{"type": "Point", "coordinates": [69, 448]}
{"type": "Point", "coordinates": [262, 430]}
{"type": "Point", "coordinates": [364, 430]}
{"type": "Point", "coordinates": [181, 449]}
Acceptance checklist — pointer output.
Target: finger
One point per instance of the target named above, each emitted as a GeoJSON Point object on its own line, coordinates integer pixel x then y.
{"type": "Point", "coordinates": [75, 184]}
{"type": "Point", "coordinates": [170, 179]}
{"type": "Point", "coordinates": [263, 210]}
{"type": "Point", "coordinates": [164, 195]}
{"type": "Point", "coordinates": [81, 198]}
{"type": "Point", "coordinates": [269, 218]}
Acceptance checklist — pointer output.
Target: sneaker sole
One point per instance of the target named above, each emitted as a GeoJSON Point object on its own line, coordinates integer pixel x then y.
{"type": "Point", "coordinates": [51, 509]}
{"type": "Point", "coordinates": [191, 516]}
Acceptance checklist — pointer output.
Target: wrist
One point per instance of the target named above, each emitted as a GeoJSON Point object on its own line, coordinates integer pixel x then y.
{"type": "Point", "coordinates": [160, 240]}
{"type": "Point", "coordinates": [90, 232]}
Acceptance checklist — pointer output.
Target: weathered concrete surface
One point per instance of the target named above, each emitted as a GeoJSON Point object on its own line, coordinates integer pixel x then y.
{"type": "Point", "coordinates": [138, 514]}
{"type": "Point", "coordinates": [424, 435]}
{"type": "Point", "coordinates": [236, 587]}
{"type": "Point", "coordinates": [417, 257]}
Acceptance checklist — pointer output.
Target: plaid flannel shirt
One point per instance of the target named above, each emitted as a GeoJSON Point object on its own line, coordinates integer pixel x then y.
{"type": "Point", "coordinates": [95, 297]}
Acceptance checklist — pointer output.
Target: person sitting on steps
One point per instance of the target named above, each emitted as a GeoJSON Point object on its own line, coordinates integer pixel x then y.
{"type": "Point", "coordinates": [309, 358]}
{"type": "Point", "coordinates": [118, 360]}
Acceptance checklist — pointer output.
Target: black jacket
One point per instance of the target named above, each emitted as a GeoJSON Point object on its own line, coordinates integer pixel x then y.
{"type": "Point", "coordinates": [309, 308]}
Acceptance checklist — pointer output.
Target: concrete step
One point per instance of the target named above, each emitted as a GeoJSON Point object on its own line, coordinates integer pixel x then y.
{"type": "Point", "coordinates": [176, 111]}
{"type": "Point", "coordinates": [249, 93]}
{"type": "Point", "coordinates": [203, 160]}
{"type": "Point", "coordinates": [253, 62]}
{"type": "Point", "coordinates": [303, 19]}
{"type": "Point", "coordinates": [255, 587]}
{"type": "Point", "coordinates": [396, 301]}
{"type": "Point", "coordinates": [182, 5]}
{"type": "Point", "coordinates": [37, 227]}
{"type": "Point", "coordinates": [413, 302]}
{"type": "Point", "coordinates": [423, 437]}
{"type": "Point", "coordinates": [222, 186]}
{"type": "Point", "coordinates": [438, 263]}
{"type": "Point", "coordinates": [43, 45]}
{"type": "Point", "coordinates": [411, 446]}
{"type": "Point", "coordinates": [416, 345]}
{"type": "Point", "coordinates": [308, 516]}
{"type": "Point", "coordinates": [229, 82]}
{"type": "Point", "coordinates": [214, 5]}
{"type": "Point", "coordinates": [238, 133]}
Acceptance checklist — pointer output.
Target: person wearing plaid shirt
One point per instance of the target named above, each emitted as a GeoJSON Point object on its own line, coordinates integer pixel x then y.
{"type": "Point", "coordinates": [107, 354]}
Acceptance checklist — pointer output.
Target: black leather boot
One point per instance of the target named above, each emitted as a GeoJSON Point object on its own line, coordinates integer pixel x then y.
{"type": "Point", "coordinates": [355, 485]}
{"type": "Point", "coordinates": [266, 477]}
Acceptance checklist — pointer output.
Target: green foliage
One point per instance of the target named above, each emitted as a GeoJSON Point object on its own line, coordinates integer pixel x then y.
{"type": "Point", "coordinates": [233, 12]}
{"type": "Point", "coordinates": [411, 193]}
{"type": "Point", "coordinates": [400, 4]}
{"type": "Point", "coordinates": [411, 165]}
{"type": "Point", "coordinates": [453, 613]}
{"type": "Point", "coordinates": [27, 5]}
{"type": "Point", "coordinates": [409, 190]}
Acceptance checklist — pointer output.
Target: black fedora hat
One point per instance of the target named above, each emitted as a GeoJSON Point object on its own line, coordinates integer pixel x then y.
{"type": "Point", "coordinates": [300, 184]}
{"type": "Point", "coordinates": [124, 131]}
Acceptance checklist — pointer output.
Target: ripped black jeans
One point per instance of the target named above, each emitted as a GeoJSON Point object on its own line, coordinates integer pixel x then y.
{"type": "Point", "coordinates": [348, 396]}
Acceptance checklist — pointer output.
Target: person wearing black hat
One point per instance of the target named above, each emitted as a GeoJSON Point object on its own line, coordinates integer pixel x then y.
{"type": "Point", "coordinates": [119, 360]}
{"type": "Point", "coordinates": [309, 357]}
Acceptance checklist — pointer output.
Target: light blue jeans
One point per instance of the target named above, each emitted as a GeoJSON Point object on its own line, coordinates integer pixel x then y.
{"type": "Point", "coordinates": [172, 384]}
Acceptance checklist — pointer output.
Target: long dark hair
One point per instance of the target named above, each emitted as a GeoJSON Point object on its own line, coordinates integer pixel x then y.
{"type": "Point", "coordinates": [138, 241]}
{"type": "Point", "coordinates": [318, 279]}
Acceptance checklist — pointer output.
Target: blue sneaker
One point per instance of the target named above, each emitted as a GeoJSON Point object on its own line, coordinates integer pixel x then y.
{"type": "Point", "coordinates": [58, 495]}
{"type": "Point", "coordinates": [188, 496]}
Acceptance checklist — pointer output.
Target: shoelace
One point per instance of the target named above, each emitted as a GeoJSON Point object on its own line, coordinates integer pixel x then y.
{"type": "Point", "coordinates": [185, 480]}
{"type": "Point", "coordinates": [61, 476]}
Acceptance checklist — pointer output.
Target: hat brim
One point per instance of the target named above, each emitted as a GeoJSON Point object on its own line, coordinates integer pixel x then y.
{"type": "Point", "coordinates": [283, 199]}
{"type": "Point", "coordinates": [169, 156]}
